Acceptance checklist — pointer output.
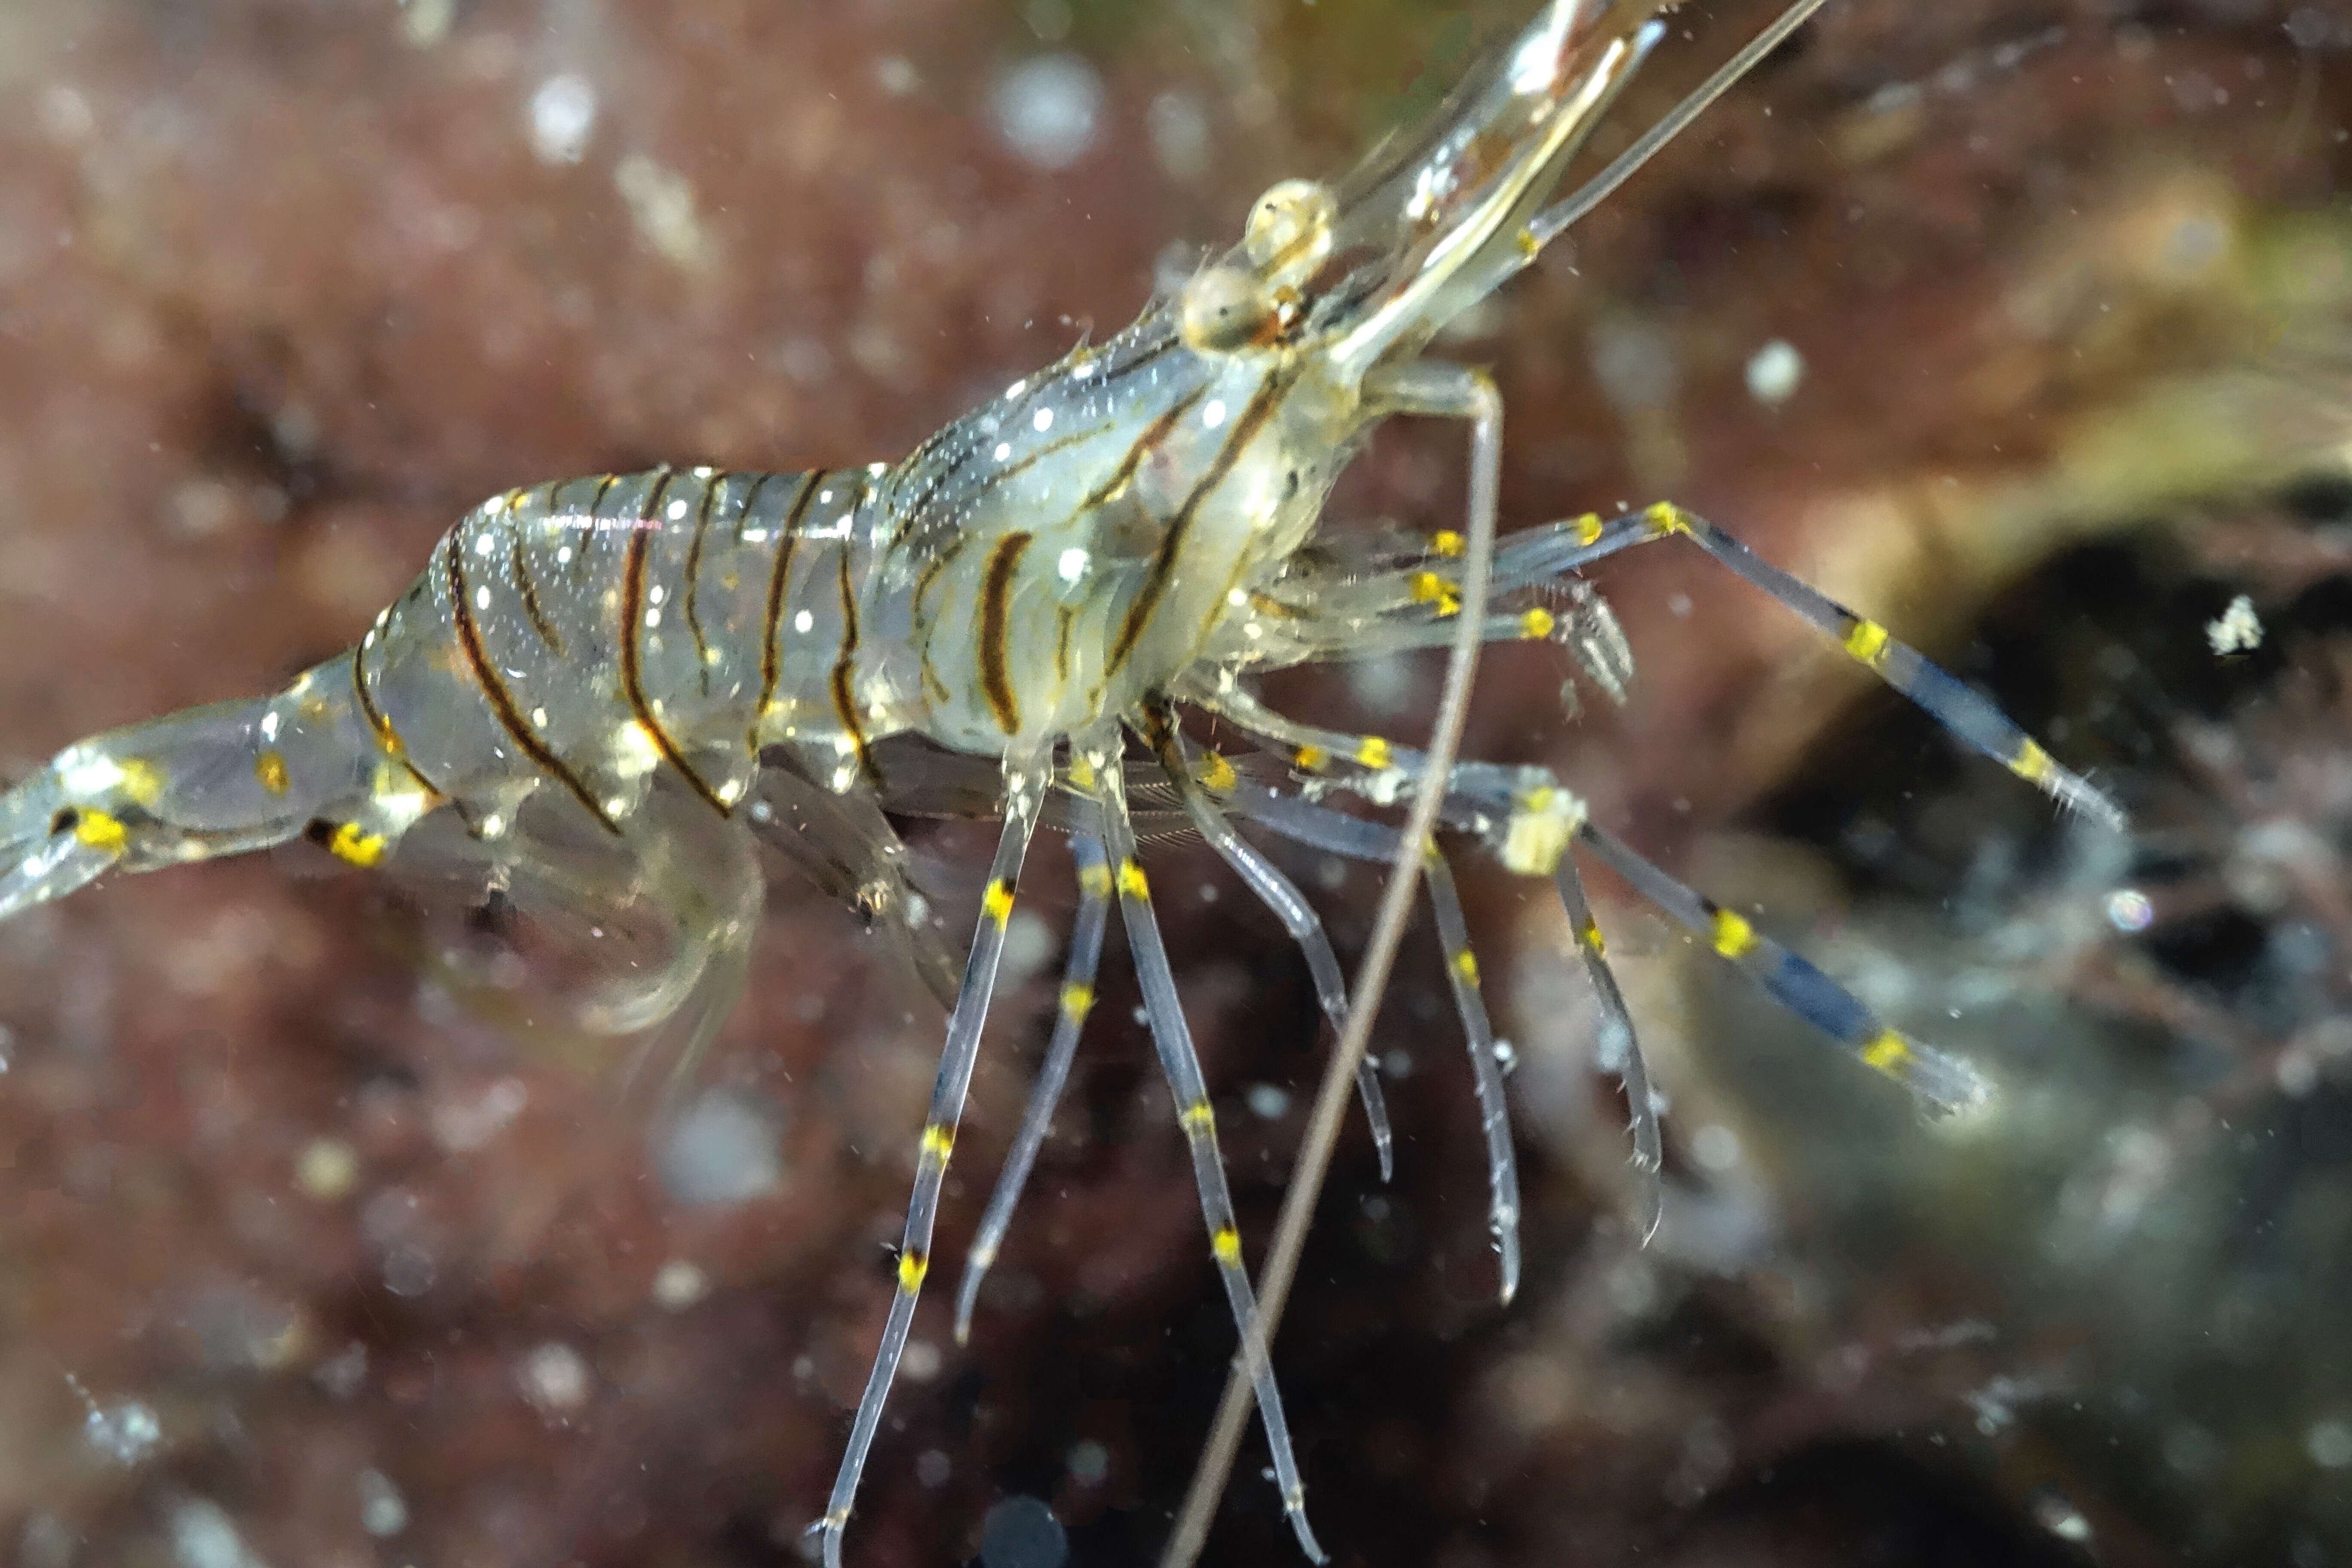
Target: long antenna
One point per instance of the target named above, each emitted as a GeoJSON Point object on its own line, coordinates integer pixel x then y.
{"type": "Point", "coordinates": [1547, 224]}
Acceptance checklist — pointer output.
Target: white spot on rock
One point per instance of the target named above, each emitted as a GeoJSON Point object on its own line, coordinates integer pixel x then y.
{"type": "Point", "coordinates": [1715, 1147]}
{"type": "Point", "coordinates": [661, 203]}
{"type": "Point", "coordinates": [722, 1149]}
{"type": "Point", "coordinates": [383, 1511]}
{"type": "Point", "coordinates": [678, 1285]}
{"type": "Point", "coordinates": [203, 1536]}
{"type": "Point", "coordinates": [554, 1378]}
{"type": "Point", "coordinates": [327, 1169]}
{"type": "Point", "coordinates": [2329, 1443]}
{"type": "Point", "coordinates": [1047, 109]}
{"type": "Point", "coordinates": [2236, 630]}
{"type": "Point", "coordinates": [1179, 129]}
{"type": "Point", "coordinates": [126, 1431]}
{"type": "Point", "coordinates": [1270, 1103]}
{"type": "Point", "coordinates": [1774, 371]}
{"type": "Point", "coordinates": [462, 1126]}
{"type": "Point", "coordinates": [562, 118]}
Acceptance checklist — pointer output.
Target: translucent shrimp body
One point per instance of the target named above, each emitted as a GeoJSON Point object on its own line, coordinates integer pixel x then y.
{"type": "Point", "coordinates": [617, 686]}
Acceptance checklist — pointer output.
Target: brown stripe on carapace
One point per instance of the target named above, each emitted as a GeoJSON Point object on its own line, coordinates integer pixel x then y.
{"type": "Point", "coordinates": [844, 671]}
{"type": "Point", "coordinates": [930, 574]}
{"type": "Point", "coordinates": [1163, 564]}
{"type": "Point", "coordinates": [633, 685]}
{"type": "Point", "coordinates": [935, 690]}
{"type": "Point", "coordinates": [1160, 734]}
{"type": "Point", "coordinates": [583, 551]}
{"type": "Point", "coordinates": [995, 599]}
{"type": "Point", "coordinates": [1136, 361]}
{"type": "Point", "coordinates": [693, 578]}
{"type": "Point", "coordinates": [1268, 605]}
{"type": "Point", "coordinates": [501, 701]}
{"type": "Point", "coordinates": [1030, 459]}
{"type": "Point", "coordinates": [386, 736]}
{"type": "Point", "coordinates": [939, 479]}
{"type": "Point", "coordinates": [949, 470]}
{"type": "Point", "coordinates": [750, 498]}
{"type": "Point", "coordinates": [1153, 434]}
{"type": "Point", "coordinates": [770, 656]}
{"type": "Point", "coordinates": [521, 567]}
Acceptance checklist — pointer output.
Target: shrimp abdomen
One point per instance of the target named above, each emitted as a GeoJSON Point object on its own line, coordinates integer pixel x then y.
{"type": "Point", "coordinates": [218, 780]}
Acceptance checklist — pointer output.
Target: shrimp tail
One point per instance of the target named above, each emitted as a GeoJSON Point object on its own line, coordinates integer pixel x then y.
{"type": "Point", "coordinates": [222, 779]}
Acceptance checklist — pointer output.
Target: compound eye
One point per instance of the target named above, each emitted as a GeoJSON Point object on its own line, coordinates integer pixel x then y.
{"type": "Point", "coordinates": [1288, 236]}
{"type": "Point", "coordinates": [1224, 308]}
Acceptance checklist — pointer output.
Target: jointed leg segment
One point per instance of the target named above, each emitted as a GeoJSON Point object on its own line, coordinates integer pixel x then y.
{"type": "Point", "coordinates": [1544, 553]}
{"type": "Point", "coordinates": [1412, 606]}
{"type": "Point", "coordinates": [1486, 1070]}
{"type": "Point", "coordinates": [1618, 1049]}
{"type": "Point", "coordinates": [1025, 785]}
{"type": "Point", "coordinates": [1941, 1082]}
{"type": "Point", "coordinates": [1177, 1060]}
{"type": "Point", "coordinates": [1281, 896]}
{"type": "Point", "coordinates": [1077, 999]}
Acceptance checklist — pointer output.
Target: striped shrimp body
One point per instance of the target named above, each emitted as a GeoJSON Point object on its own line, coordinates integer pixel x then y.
{"type": "Point", "coordinates": [615, 687]}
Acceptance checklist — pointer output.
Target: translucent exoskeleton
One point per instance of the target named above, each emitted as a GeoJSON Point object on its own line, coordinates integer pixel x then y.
{"type": "Point", "coordinates": [604, 692]}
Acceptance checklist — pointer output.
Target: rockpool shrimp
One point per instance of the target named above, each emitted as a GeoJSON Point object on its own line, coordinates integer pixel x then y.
{"type": "Point", "coordinates": [609, 691]}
